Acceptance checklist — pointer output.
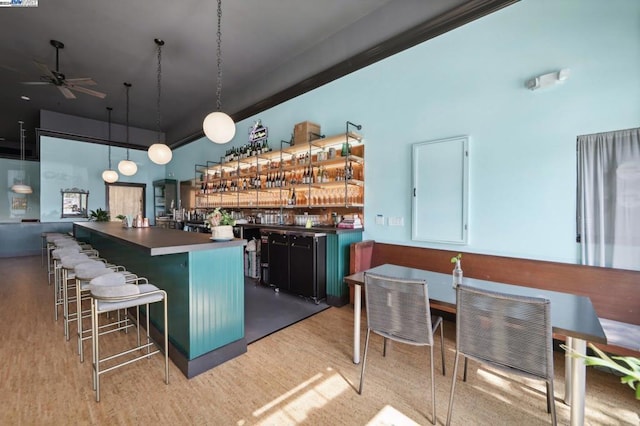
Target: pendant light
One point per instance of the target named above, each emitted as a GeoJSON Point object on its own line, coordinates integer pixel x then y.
{"type": "Point", "coordinates": [127, 167]}
{"type": "Point", "coordinates": [218, 126]}
{"type": "Point", "coordinates": [159, 153]}
{"type": "Point", "coordinates": [109, 175]}
{"type": "Point", "coordinates": [21, 188]}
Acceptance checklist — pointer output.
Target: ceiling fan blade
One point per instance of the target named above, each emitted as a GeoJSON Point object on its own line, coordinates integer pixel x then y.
{"type": "Point", "coordinates": [86, 81]}
{"type": "Point", "coordinates": [87, 91]}
{"type": "Point", "coordinates": [36, 83]}
{"type": "Point", "coordinates": [66, 92]}
{"type": "Point", "coordinates": [45, 69]}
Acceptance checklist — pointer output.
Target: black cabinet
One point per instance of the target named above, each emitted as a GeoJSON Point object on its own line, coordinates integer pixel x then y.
{"type": "Point", "coordinates": [297, 264]}
{"type": "Point", "coordinates": [279, 260]}
{"type": "Point", "coordinates": [307, 272]}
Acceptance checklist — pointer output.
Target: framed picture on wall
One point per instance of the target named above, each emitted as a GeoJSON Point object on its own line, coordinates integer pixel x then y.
{"type": "Point", "coordinates": [19, 203]}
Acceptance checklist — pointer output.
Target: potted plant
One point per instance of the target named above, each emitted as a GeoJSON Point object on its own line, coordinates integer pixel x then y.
{"type": "Point", "coordinates": [221, 224]}
{"type": "Point", "coordinates": [99, 215]}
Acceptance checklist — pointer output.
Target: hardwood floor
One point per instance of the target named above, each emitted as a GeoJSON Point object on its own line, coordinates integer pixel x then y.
{"type": "Point", "coordinates": [300, 375]}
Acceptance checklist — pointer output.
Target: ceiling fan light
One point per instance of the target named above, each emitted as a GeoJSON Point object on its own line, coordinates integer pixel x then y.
{"type": "Point", "coordinates": [20, 188]}
{"type": "Point", "coordinates": [219, 127]}
{"type": "Point", "coordinates": [110, 176]}
{"type": "Point", "coordinates": [160, 153]}
{"type": "Point", "coordinates": [127, 167]}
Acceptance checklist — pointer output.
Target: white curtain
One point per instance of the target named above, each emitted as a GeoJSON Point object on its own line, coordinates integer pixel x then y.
{"type": "Point", "coordinates": [125, 200]}
{"type": "Point", "coordinates": [609, 198]}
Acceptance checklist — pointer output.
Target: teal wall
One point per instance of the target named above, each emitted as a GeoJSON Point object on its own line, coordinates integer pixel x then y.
{"type": "Point", "coordinates": [470, 81]}
{"type": "Point", "coordinates": [11, 203]}
{"type": "Point", "coordinates": [67, 164]}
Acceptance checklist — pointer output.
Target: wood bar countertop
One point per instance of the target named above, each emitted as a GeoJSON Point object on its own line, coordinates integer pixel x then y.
{"type": "Point", "coordinates": [158, 241]}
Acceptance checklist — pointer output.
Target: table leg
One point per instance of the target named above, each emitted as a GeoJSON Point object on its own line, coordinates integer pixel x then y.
{"type": "Point", "coordinates": [567, 371]}
{"type": "Point", "coordinates": [578, 382]}
{"type": "Point", "coordinates": [357, 297]}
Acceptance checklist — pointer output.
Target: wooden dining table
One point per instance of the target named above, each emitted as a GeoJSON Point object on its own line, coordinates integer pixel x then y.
{"type": "Point", "coordinates": [572, 316]}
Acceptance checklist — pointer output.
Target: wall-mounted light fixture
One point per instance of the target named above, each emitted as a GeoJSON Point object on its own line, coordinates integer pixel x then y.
{"type": "Point", "coordinates": [547, 80]}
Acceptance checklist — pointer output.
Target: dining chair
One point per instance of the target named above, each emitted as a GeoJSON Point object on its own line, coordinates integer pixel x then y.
{"type": "Point", "coordinates": [398, 309]}
{"type": "Point", "coordinates": [508, 332]}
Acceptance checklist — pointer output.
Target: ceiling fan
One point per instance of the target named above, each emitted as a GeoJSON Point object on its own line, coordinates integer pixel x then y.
{"type": "Point", "coordinates": [58, 79]}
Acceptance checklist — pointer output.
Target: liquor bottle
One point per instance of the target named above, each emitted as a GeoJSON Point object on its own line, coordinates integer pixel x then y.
{"type": "Point", "coordinates": [293, 197]}
{"type": "Point", "coordinates": [346, 149]}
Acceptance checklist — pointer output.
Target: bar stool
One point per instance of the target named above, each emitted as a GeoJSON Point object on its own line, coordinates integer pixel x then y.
{"type": "Point", "coordinates": [56, 256]}
{"type": "Point", "coordinates": [51, 245]}
{"type": "Point", "coordinates": [63, 243]}
{"type": "Point", "coordinates": [45, 239]}
{"type": "Point", "coordinates": [67, 266]}
{"type": "Point", "coordinates": [84, 274]}
{"type": "Point", "coordinates": [108, 298]}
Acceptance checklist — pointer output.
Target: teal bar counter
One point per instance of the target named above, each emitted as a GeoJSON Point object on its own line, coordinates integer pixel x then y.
{"type": "Point", "coordinates": [204, 281]}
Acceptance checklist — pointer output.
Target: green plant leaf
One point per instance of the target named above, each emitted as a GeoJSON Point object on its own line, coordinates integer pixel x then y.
{"type": "Point", "coordinates": [631, 374]}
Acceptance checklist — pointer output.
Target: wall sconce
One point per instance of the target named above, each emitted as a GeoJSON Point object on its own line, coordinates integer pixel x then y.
{"type": "Point", "coordinates": [547, 80]}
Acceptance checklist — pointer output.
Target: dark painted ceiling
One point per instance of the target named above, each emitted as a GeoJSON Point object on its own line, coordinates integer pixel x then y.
{"type": "Point", "coordinates": [267, 47]}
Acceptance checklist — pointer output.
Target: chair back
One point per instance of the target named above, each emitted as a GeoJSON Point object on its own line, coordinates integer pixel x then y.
{"type": "Point", "coordinates": [398, 309]}
{"type": "Point", "coordinates": [508, 331]}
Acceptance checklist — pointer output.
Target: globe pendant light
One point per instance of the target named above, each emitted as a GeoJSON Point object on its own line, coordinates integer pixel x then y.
{"type": "Point", "coordinates": [218, 126]}
{"type": "Point", "coordinates": [127, 167]}
{"type": "Point", "coordinates": [159, 153]}
{"type": "Point", "coordinates": [109, 175]}
{"type": "Point", "coordinates": [21, 188]}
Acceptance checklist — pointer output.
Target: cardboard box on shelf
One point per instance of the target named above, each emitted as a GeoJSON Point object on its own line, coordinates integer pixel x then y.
{"type": "Point", "coordinates": [305, 132]}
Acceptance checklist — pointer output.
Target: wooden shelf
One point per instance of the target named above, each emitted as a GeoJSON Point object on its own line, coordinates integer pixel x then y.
{"type": "Point", "coordinates": [261, 166]}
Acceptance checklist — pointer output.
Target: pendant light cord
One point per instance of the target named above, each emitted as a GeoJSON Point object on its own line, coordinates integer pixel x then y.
{"type": "Point", "coordinates": [109, 136]}
{"type": "Point", "coordinates": [159, 81]}
{"type": "Point", "coordinates": [21, 148]}
{"type": "Point", "coordinates": [128, 86]}
{"type": "Point", "coordinates": [219, 59]}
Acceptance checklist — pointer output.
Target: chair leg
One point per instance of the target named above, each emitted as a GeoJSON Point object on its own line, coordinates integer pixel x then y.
{"type": "Point", "coordinates": [364, 360]}
{"type": "Point", "coordinates": [464, 376]}
{"type": "Point", "coordinates": [166, 343]}
{"type": "Point", "coordinates": [384, 346]}
{"type": "Point", "coordinates": [551, 401]}
{"type": "Point", "coordinates": [442, 346]}
{"type": "Point", "coordinates": [453, 387]}
{"type": "Point", "coordinates": [433, 386]}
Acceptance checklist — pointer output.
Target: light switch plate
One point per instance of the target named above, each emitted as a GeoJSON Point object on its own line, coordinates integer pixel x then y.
{"type": "Point", "coordinates": [379, 219]}
{"type": "Point", "coordinates": [396, 221]}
